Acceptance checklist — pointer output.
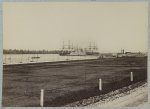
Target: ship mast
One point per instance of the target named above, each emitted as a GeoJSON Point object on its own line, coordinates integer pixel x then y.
{"type": "Point", "coordinates": [94, 47]}
{"type": "Point", "coordinates": [63, 47]}
{"type": "Point", "coordinates": [69, 46]}
{"type": "Point", "coordinates": [72, 47]}
{"type": "Point", "coordinates": [90, 46]}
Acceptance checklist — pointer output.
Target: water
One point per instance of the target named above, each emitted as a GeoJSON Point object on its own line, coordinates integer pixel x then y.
{"type": "Point", "coordinates": [27, 58]}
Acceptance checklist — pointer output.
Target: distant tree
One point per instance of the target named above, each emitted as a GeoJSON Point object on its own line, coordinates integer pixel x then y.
{"type": "Point", "coordinates": [21, 51]}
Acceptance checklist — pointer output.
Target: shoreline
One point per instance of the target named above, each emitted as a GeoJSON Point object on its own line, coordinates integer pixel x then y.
{"type": "Point", "coordinates": [53, 62]}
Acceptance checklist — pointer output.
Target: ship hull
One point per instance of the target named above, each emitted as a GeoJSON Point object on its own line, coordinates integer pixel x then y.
{"type": "Point", "coordinates": [79, 54]}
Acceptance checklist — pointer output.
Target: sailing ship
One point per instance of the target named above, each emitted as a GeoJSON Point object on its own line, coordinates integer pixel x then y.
{"type": "Point", "coordinates": [70, 50]}
{"type": "Point", "coordinates": [92, 49]}
{"type": "Point", "coordinates": [66, 49]}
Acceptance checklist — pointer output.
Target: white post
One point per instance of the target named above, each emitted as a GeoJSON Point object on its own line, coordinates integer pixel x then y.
{"type": "Point", "coordinates": [131, 76]}
{"type": "Point", "coordinates": [42, 98]}
{"type": "Point", "coordinates": [100, 84]}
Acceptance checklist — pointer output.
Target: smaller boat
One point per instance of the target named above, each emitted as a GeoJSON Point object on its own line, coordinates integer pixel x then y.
{"type": "Point", "coordinates": [35, 57]}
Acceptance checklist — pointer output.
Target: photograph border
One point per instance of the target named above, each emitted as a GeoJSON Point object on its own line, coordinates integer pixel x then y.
{"type": "Point", "coordinates": [1, 50]}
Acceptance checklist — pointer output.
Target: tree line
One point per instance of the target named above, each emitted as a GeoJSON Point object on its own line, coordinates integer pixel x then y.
{"type": "Point", "coordinates": [15, 51]}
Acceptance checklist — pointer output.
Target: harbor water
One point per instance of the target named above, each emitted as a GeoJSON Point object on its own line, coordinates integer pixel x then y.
{"type": "Point", "coordinates": [28, 58]}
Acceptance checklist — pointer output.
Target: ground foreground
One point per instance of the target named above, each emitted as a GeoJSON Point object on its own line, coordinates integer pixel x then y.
{"type": "Point", "coordinates": [68, 82]}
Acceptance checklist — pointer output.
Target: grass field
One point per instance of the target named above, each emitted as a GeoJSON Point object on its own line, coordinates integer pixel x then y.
{"type": "Point", "coordinates": [66, 82]}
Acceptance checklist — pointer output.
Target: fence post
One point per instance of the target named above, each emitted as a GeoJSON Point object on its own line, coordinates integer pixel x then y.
{"type": "Point", "coordinates": [100, 84]}
{"type": "Point", "coordinates": [131, 76]}
{"type": "Point", "coordinates": [42, 98]}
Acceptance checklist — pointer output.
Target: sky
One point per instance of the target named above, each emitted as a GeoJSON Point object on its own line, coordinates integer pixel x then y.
{"type": "Point", "coordinates": [112, 26]}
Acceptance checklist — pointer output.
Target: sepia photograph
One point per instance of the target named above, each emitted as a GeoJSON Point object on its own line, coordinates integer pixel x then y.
{"type": "Point", "coordinates": [75, 54]}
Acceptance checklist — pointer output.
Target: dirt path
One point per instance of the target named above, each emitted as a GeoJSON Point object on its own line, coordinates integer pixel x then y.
{"type": "Point", "coordinates": [136, 97]}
